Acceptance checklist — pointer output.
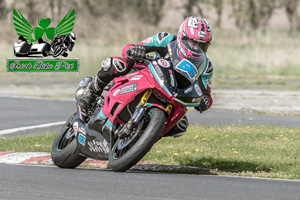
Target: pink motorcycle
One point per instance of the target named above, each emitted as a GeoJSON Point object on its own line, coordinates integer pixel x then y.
{"type": "Point", "coordinates": [139, 108]}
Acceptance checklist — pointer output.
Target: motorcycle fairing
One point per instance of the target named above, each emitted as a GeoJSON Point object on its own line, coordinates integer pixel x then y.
{"type": "Point", "coordinates": [90, 143]}
{"type": "Point", "coordinates": [165, 76]}
{"type": "Point", "coordinates": [118, 97]}
{"type": "Point", "coordinates": [190, 96]}
{"type": "Point", "coordinates": [188, 68]}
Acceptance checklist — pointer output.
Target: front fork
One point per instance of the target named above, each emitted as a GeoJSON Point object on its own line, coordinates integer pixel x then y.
{"type": "Point", "coordinates": [138, 114]}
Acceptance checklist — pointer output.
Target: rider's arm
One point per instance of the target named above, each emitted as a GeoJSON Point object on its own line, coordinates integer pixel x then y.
{"type": "Point", "coordinates": [205, 85]}
{"type": "Point", "coordinates": [156, 43]}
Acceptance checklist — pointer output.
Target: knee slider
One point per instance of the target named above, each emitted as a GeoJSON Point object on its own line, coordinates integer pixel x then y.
{"type": "Point", "coordinates": [119, 64]}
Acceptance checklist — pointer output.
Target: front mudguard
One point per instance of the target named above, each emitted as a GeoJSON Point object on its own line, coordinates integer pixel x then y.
{"type": "Point", "coordinates": [166, 109]}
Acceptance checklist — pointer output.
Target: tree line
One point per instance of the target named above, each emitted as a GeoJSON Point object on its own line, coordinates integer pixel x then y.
{"type": "Point", "coordinates": [246, 13]}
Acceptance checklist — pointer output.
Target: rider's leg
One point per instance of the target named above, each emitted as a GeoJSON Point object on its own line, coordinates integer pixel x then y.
{"type": "Point", "coordinates": [111, 68]}
{"type": "Point", "coordinates": [179, 129]}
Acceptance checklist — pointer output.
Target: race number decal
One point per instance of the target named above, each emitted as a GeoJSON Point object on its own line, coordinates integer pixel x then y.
{"type": "Point", "coordinates": [187, 69]}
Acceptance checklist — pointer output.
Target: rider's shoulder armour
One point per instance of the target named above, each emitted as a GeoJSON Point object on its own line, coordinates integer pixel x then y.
{"type": "Point", "coordinates": [161, 39]}
{"type": "Point", "coordinates": [208, 70]}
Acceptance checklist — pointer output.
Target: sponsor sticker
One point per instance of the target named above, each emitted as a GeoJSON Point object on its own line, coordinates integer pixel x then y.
{"type": "Point", "coordinates": [81, 139]}
{"type": "Point", "coordinates": [75, 128]}
{"type": "Point", "coordinates": [146, 96]}
{"type": "Point", "coordinates": [128, 88]}
{"type": "Point", "coordinates": [198, 90]}
{"type": "Point", "coordinates": [137, 117]}
{"type": "Point", "coordinates": [116, 92]}
{"type": "Point", "coordinates": [132, 74]}
{"type": "Point", "coordinates": [135, 78]}
{"type": "Point", "coordinates": [188, 90]}
{"type": "Point", "coordinates": [172, 80]}
{"type": "Point", "coordinates": [158, 70]}
{"type": "Point", "coordinates": [148, 40]}
{"type": "Point", "coordinates": [82, 130]}
{"type": "Point", "coordinates": [163, 63]}
{"type": "Point", "coordinates": [201, 34]}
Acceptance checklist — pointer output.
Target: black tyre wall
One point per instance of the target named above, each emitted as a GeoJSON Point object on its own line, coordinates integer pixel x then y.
{"type": "Point", "coordinates": [143, 145]}
{"type": "Point", "coordinates": [69, 156]}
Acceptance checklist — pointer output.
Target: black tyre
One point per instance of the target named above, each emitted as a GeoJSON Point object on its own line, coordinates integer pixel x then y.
{"type": "Point", "coordinates": [64, 152]}
{"type": "Point", "coordinates": [126, 152]}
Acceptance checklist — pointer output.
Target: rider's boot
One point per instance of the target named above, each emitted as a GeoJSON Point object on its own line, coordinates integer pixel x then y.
{"type": "Point", "coordinates": [179, 129]}
{"type": "Point", "coordinates": [93, 90]}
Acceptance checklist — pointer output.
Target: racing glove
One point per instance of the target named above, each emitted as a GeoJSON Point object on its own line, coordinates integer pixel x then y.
{"type": "Point", "coordinates": [204, 105]}
{"type": "Point", "coordinates": [136, 52]}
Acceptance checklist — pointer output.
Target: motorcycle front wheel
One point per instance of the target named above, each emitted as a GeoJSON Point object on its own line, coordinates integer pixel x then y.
{"type": "Point", "coordinates": [127, 151]}
{"type": "Point", "coordinates": [64, 152]}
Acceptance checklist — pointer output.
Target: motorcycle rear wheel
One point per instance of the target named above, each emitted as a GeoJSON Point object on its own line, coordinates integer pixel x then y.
{"type": "Point", "coordinates": [124, 154]}
{"type": "Point", "coordinates": [64, 152]}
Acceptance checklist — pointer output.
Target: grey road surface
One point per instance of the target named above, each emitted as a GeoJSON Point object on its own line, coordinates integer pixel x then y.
{"type": "Point", "coordinates": [32, 182]}
{"type": "Point", "coordinates": [18, 112]}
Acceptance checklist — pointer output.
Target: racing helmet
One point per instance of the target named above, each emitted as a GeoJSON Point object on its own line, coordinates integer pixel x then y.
{"type": "Point", "coordinates": [73, 36]}
{"type": "Point", "coordinates": [193, 37]}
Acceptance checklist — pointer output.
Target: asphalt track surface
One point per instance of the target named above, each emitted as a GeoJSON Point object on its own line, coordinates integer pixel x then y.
{"type": "Point", "coordinates": [23, 116]}
{"type": "Point", "coordinates": [36, 182]}
{"type": "Point", "coordinates": [33, 182]}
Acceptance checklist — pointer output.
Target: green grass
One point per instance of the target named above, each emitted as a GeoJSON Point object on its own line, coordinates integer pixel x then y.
{"type": "Point", "coordinates": [261, 151]}
{"type": "Point", "coordinates": [267, 52]}
{"type": "Point", "coordinates": [35, 143]}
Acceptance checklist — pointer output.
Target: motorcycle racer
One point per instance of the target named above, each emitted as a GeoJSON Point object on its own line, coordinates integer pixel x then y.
{"type": "Point", "coordinates": [192, 41]}
{"type": "Point", "coordinates": [64, 40]}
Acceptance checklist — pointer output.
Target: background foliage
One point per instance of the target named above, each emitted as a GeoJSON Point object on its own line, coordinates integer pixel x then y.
{"type": "Point", "coordinates": [252, 39]}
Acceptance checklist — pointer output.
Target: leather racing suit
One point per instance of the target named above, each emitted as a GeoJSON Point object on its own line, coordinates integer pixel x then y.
{"type": "Point", "coordinates": [118, 66]}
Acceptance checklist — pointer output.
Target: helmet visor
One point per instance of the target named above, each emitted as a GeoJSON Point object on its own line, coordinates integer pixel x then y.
{"type": "Point", "coordinates": [193, 46]}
